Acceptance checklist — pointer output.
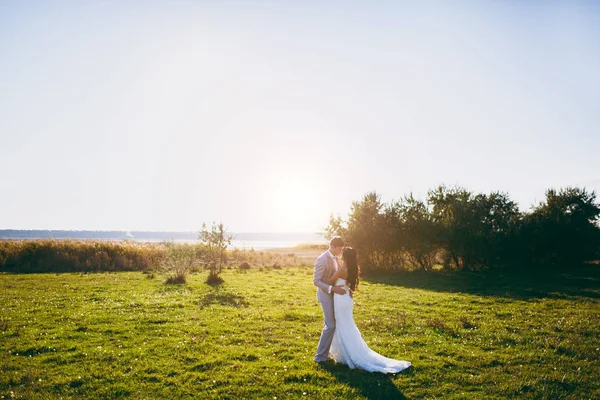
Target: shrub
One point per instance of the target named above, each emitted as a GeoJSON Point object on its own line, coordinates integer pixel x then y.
{"type": "Point", "coordinates": [180, 260]}
{"type": "Point", "coordinates": [244, 265]}
{"type": "Point", "coordinates": [176, 279]}
{"type": "Point", "coordinates": [214, 279]}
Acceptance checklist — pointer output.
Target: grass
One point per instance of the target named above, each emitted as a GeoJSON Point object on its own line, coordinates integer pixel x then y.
{"type": "Point", "coordinates": [128, 335]}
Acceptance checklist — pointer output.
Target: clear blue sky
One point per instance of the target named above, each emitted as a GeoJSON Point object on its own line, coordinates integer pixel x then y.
{"type": "Point", "coordinates": [269, 115]}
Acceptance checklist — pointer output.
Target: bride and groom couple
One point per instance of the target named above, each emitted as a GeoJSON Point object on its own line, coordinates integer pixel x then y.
{"type": "Point", "coordinates": [336, 279]}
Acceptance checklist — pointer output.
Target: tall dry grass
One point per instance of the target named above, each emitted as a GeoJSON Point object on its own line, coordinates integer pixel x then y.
{"type": "Point", "coordinates": [50, 255]}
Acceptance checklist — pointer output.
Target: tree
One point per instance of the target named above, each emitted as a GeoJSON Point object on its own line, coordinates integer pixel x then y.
{"type": "Point", "coordinates": [335, 227]}
{"type": "Point", "coordinates": [498, 220]}
{"type": "Point", "coordinates": [216, 240]}
{"type": "Point", "coordinates": [415, 231]}
{"type": "Point", "coordinates": [474, 228]}
{"type": "Point", "coordinates": [450, 212]}
{"type": "Point", "coordinates": [562, 230]}
{"type": "Point", "coordinates": [367, 230]}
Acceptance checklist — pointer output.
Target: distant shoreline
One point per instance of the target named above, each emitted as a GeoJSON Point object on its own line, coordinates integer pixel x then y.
{"type": "Point", "coordinates": [242, 241]}
{"type": "Point", "coordinates": [167, 235]}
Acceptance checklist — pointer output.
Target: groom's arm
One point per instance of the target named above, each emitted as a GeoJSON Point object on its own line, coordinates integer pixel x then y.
{"type": "Point", "coordinates": [320, 268]}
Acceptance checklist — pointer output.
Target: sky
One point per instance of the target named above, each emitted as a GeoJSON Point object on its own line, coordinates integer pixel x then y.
{"type": "Point", "coordinates": [271, 115]}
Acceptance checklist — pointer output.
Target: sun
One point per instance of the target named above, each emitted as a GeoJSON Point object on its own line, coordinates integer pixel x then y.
{"type": "Point", "coordinates": [295, 204]}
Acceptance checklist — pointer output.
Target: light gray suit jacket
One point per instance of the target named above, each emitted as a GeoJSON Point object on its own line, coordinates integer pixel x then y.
{"type": "Point", "coordinates": [324, 269]}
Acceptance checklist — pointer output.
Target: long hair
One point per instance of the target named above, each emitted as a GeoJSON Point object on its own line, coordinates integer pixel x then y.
{"type": "Point", "coordinates": [351, 261]}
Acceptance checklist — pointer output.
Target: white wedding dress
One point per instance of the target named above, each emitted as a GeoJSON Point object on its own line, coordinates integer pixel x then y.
{"type": "Point", "coordinates": [348, 346]}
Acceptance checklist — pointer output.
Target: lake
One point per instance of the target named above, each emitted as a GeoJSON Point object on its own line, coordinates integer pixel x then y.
{"type": "Point", "coordinates": [242, 240]}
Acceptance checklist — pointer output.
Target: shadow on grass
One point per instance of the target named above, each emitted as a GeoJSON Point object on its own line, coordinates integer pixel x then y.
{"type": "Point", "coordinates": [175, 289]}
{"type": "Point", "coordinates": [525, 284]}
{"type": "Point", "coordinates": [369, 384]}
{"type": "Point", "coordinates": [218, 297]}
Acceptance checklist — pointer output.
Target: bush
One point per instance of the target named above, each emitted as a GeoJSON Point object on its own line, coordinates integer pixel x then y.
{"type": "Point", "coordinates": [176, 279]}
{"type": "Point", "coordinates": [180, 260]}
{"type": "Point", "coordinates": [244, 265]}
{"type": "Point", "coordinates": [214, 279]}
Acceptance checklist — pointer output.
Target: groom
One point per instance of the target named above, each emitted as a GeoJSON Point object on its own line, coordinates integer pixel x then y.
{"type": "Point", "coordinates": [325, 267]}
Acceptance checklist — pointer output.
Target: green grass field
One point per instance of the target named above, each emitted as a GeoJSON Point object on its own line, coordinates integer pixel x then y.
{"type": "Point", "coordinates": [128, 335]}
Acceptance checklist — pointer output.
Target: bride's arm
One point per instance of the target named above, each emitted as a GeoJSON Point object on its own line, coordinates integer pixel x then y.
{"type": "Point", "coordinates": [340, 273]}
{"type": "Point", "coordinates": [334, 277]}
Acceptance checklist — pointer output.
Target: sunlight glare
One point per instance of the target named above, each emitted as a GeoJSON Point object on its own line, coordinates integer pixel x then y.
{"type": "Point", "coordinates": [295, 203]}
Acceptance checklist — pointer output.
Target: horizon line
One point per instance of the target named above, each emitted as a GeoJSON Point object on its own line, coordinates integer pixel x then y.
{"type": "Point", "coordinates": [148, 231]}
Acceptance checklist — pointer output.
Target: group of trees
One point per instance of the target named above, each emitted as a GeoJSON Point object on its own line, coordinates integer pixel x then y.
{"type": "Point", "coordinates": [459, 229]}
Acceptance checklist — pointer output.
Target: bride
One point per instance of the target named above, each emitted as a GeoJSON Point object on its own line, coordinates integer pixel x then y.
{"type": "Point", "coordinates": [348, 346]}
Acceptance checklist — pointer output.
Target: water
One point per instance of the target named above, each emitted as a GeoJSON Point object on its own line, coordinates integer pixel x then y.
{"type": "Point", "coordinates": [256, 241]}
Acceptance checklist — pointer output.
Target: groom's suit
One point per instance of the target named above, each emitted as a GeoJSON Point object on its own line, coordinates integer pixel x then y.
{"type": "Point", "coordinates": [325, 267]}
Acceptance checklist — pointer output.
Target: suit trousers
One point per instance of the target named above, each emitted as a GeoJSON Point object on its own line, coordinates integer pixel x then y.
{"type": "Point", "coordinates": [328, 330]}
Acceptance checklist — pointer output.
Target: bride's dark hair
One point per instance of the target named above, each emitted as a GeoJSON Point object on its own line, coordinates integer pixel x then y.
{"type": "Point", "coordinates": [351, 262]}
